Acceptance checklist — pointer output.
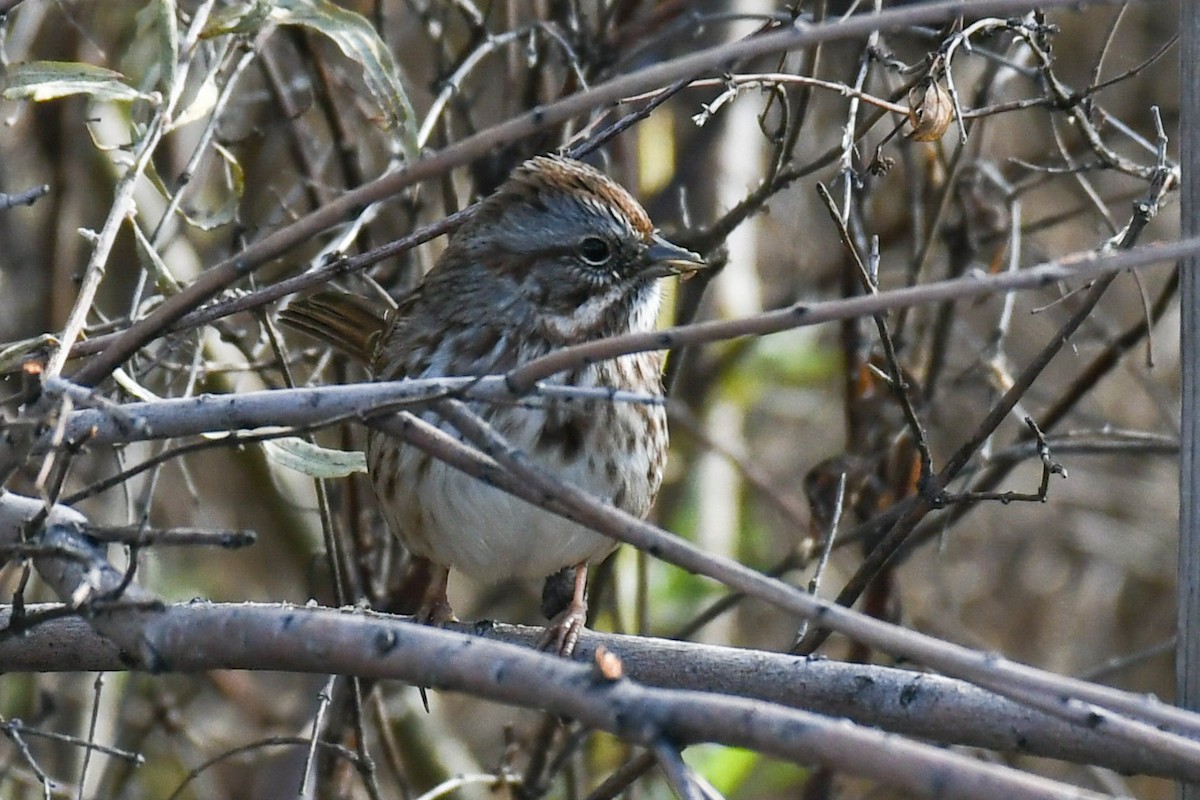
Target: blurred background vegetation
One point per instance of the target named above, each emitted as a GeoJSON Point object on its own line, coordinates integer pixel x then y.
{"type": "Point", "coordinates": [286, 105]}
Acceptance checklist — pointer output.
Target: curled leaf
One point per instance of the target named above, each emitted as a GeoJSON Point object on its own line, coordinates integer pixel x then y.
{"type": "Point", "coordinates": [48, 80]}
{"type": "Point", "coordinates": [930, 111]}
{"type": "Point", "coordinates": [353, 35]}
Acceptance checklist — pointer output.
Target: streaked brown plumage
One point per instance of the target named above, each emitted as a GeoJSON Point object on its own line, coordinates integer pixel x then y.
{"type": "Point", "coordinates": [559, 254]}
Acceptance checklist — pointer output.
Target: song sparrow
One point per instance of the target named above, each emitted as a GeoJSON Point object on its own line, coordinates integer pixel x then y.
{"type": "Point", "coordinates": [558, 255]}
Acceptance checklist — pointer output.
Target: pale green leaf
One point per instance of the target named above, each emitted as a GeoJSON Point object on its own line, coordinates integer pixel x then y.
{"type": "Point", "coordinates": [225, 210]}
{"type": "Point", "coordinates": [157, 21]}
{"type": "Point", "coordinates": [317, 462]}
{"type": "Point", "coordinates": [168, 43]}
{"type": "Point", "coordinates": [247, 18]}
{"type": "Point", "coordinates": [219, 185]}
{"type": "Point", "coordinates": [48, 80]}
{"type": "Point", "coordinates": [200, 105]}
{"type": "Point", "coordinates": [354, 35]}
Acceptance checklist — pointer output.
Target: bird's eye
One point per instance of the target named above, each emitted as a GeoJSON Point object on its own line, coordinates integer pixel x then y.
{"type": "Point", "coordinates": [595, 250]}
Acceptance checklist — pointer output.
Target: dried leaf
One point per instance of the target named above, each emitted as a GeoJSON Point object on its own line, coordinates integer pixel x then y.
{"type": "Point", "coordinates": [930, 112]}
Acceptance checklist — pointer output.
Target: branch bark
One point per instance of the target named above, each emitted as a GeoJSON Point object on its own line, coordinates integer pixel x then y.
{"type": "Point", "coordinates": [324, 405]}
{"type": "Point", "coordinates": [921, 705]}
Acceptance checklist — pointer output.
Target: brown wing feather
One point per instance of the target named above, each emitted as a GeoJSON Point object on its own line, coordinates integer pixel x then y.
{"type": "Point", "coordinates": [348, 322]}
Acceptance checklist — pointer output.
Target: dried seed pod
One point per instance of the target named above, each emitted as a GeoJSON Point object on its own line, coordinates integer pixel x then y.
{"type": "Point", "coordinates": [930, 111]}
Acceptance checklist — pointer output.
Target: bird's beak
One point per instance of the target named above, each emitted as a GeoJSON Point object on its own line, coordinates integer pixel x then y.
{"type": "Point", "coordinates": [664, 258]}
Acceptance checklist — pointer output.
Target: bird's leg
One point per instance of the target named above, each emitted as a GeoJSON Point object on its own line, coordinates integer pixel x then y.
{"type": "Point", "coordinates": [435, 605]}
{"type": "Point", "coordinates": [563, 631]}
{"type": "Point", "coordinates": [433, 581]}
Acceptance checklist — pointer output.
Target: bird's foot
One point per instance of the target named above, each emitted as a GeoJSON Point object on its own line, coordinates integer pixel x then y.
{"type": "Point", "coordinates": [562, 634]}
{"type": "Point", "coordinates": [435, 604]}
{"type": "Point", "coordinates": [435, 612]}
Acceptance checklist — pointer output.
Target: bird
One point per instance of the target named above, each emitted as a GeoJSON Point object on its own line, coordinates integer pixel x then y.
{"type": "Point", "coordinates": [559, 254]}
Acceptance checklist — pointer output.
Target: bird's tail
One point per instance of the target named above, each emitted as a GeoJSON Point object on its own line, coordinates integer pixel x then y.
{"type": "Point", "coordinates": [348, 322]}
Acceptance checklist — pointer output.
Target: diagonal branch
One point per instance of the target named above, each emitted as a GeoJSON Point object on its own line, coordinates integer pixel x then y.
{"type": "Point", "coordinates": [466, 150]}
{"type": "Point", "coordinates": [1078, 701]}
